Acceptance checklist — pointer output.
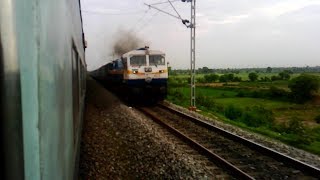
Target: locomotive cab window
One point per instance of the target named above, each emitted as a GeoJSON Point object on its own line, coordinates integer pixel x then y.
{"type": "Point", "coordinates": [138, 61]}
{"type": "Point", "coordinates": [155, 60]}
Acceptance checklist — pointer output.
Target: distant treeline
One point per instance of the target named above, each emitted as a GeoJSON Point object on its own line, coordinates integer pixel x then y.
{"type": "Point", "coordinates": [207, 70]}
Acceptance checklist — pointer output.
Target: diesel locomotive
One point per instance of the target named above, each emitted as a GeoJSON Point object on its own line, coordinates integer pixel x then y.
{"type": "Point", "coordinates": [138, 73]}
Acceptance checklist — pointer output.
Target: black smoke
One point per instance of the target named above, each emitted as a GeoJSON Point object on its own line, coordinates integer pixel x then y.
{"type": "Point", "coordinates": [126, 41]}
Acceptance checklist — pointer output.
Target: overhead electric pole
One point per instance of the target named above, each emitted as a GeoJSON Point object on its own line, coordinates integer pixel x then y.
{"type": "Point", "coordinates": [193, 55]}
{"type": "Point", "coordinates": [192, 25]}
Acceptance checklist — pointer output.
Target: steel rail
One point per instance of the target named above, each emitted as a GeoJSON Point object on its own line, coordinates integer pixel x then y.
{"type": "Point", "coordinates": [305, 168]}
{"type": "Point", "coordinates": [222, 162]}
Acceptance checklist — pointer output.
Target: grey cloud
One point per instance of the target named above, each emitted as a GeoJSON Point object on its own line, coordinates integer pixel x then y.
{"type": "Point", "coordinates": [240, 33]}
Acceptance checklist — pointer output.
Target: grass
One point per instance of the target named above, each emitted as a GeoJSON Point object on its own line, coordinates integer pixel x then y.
{"type": "Point", "coordinates": [244, 102]}
{"type": "Point", "coordinates": [209, 92]}
{"type": "Point", "coordinates": [282, 110]}
{"type": "Point", "coordinates": [264, 85]}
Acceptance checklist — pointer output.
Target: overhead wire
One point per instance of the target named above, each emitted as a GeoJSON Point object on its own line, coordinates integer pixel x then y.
{"type": "Point", "coordinates": [139, 20]}
{"type": "Point", "coordinates": [145, 12]}
{"type": "Point", "coordinates": [175, 9]}
{"type": "Point", "coordinates": [149, 20]}
{"type": "Point", "coordinates": [164, 2]}
{"type": "Point", "coordinates": [99, 12]}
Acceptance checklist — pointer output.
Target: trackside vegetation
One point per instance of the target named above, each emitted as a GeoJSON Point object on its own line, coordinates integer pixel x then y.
{"type": "Point", "coordinates": [284, 105]}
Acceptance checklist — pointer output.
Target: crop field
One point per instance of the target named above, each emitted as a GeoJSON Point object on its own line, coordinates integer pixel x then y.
{"type": "Point", "coordinates": [262, 107]}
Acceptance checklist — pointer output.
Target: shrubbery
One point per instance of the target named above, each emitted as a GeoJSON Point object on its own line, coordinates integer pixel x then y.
{"type": "Point", "coordinates": [209, 78]}
{"type": "Point", "coordinates": [271, 93]}
{"type": "Point", "coordinates": [265, 79]}
{"type": "Point", "coordinates": [177, 82]}
{"type": "Point", "coordinates": [253, 76]}
{"type": "Point", "coordinates": [229, 78]}
{"type": "Point", "coordinates": [232, 112]}
{"type": "Point", "coordinates": [253, 117]}
{"type": "Point", "coordinates": [303, 87]}
{"type": "Point", "coordinates": [205, 101]}
{"type": "Point", "coordinates": [257, 117]}
{"type": "Point", "coordinates": [317, 119]}
{"type": "Point", "coordinates": [275, 92]}
{"type": "Point", "coordinates": [177, 94]}
{"type": "Point", "coordinates": [294, 131]}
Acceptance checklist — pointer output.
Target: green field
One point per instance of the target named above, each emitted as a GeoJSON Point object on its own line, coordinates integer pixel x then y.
{"type": "Point", "coordinates": [250, 102]}
{"type": "Point", "coordinates": [247, 102]}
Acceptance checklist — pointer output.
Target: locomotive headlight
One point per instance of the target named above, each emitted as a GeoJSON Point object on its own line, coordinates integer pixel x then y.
{"type": "Point", "coordinates": [161, 71]}
{"type": "Point", "coordinates": [134, 71]}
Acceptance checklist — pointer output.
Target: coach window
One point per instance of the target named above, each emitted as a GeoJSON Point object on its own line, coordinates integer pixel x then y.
{"type": "Point", "coordinates": [119, 64]}
{"type": "Point", "coordinates": [110, 66]}
{"type": "Point", "coordinates": [124, 62]}
{"type": "Point", "coordinates": [155, 60]}
{"type": "Point", "coordinates": [138, 61]}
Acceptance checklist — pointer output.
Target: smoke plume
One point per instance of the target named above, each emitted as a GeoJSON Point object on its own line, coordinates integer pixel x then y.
{"type": "Point", "coordinates": [126, 41]}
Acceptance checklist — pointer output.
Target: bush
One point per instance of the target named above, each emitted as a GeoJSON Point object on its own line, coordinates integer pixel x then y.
{"type": "Point", "coordinates": [176, 94]}
{"type": "Point", "coordinates": [265, 79]}
{"type": "Point", "coordinates": [277, 92]}
{"type": "Point", "coordinates": [275, 78]}
{"type": "Point", "coordinates": [237, 79]}
{"type": "Point", "coordinates": [232, 112]}
{"type": "Point", "coordinates": [295, 126]}
{"type": "Point", "coordinates": [284, 75]}
{"type": "Point", "coordinates": [303, 87]}
{"type": "Point", "coordinates": [200, 80]}
{"type": "Point", "coordinates": [205, 101]}
{"type": "Point", "coordinates": [253, 76]}
{"type": "Point", "coordinates": [297, 131]}
{"type": "Point", "coordinates": [211, 78]}
{"type": "Point", "coordinates": [257, 117]}
{"type": "Point", "coordinates": [223, 78]}
{"type": "Point", "coordinates": [240, 94]}
{"type": "Point", "coordinates": [317, 118]}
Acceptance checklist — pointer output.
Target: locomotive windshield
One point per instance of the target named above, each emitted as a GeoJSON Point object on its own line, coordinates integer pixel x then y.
{"type": "Point", "coordinates": [138, 61]}
{"type": "Point", "coordinates": [155, 60]}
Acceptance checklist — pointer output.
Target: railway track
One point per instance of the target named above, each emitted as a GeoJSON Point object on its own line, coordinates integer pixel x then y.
{"type": "Point", "coordinates": [240, 157]}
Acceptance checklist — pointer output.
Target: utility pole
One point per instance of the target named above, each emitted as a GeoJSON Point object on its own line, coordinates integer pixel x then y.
{"type": "Point", "coordinates": [193, 55]}
{"type": "Point", "coordinates": [192, 26]}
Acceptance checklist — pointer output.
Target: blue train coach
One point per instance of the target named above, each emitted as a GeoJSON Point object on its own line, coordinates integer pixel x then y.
{"type": "Point", "coordinates": [42, 71]}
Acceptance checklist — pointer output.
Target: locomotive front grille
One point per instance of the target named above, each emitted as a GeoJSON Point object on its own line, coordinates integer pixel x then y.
{"type": "Point", "coordinates": [147, 69]}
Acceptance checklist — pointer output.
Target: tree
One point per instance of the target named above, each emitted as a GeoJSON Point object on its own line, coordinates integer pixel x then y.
{"type": "Point", "coordinates": [204, 70]}
{"type": "Point", "coordinates": [275, 78]}
{"type": "Point", "coordinates": [237, 79]}
{"type": "Point", "coordinates": [223, 78]}
{"type": "Point", "coordinates": [211, 78]}
{"type": "Point", "coordinates": [230, 77]}
{"type": "Point", "coordinates": [284, 75]}
{"type": "Point", "coordinates": [269, 70]}
{"type": "Point", "coordinates": [253, 76]}
{"type": "Point", "coordinates": [226, 78]}
{"type": "Point", "coordinates": [303, 87]}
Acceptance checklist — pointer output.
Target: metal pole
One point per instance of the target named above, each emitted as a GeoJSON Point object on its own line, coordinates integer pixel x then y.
{"type": "Point", "coordinates": [193, 54]}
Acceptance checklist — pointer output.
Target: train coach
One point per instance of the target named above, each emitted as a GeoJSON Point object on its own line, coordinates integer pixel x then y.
{"type": "Point", "coordinates": [42, 85]}
{"type": "Point", "coordinates": [138, 73]}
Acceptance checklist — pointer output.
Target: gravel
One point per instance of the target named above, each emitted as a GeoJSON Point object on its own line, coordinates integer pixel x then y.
{"type": "Point", "coordinates": [119, 143]}
{"type": "Point", "coordinates": [298, 154]}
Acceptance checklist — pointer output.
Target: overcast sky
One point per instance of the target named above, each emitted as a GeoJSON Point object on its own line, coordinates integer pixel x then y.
{"type": "Point", "coordinates": [229, 33]}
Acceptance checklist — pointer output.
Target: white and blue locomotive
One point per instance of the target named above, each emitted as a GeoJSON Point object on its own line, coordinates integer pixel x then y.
{"type": "Point", "coordinates": [137, 73]}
